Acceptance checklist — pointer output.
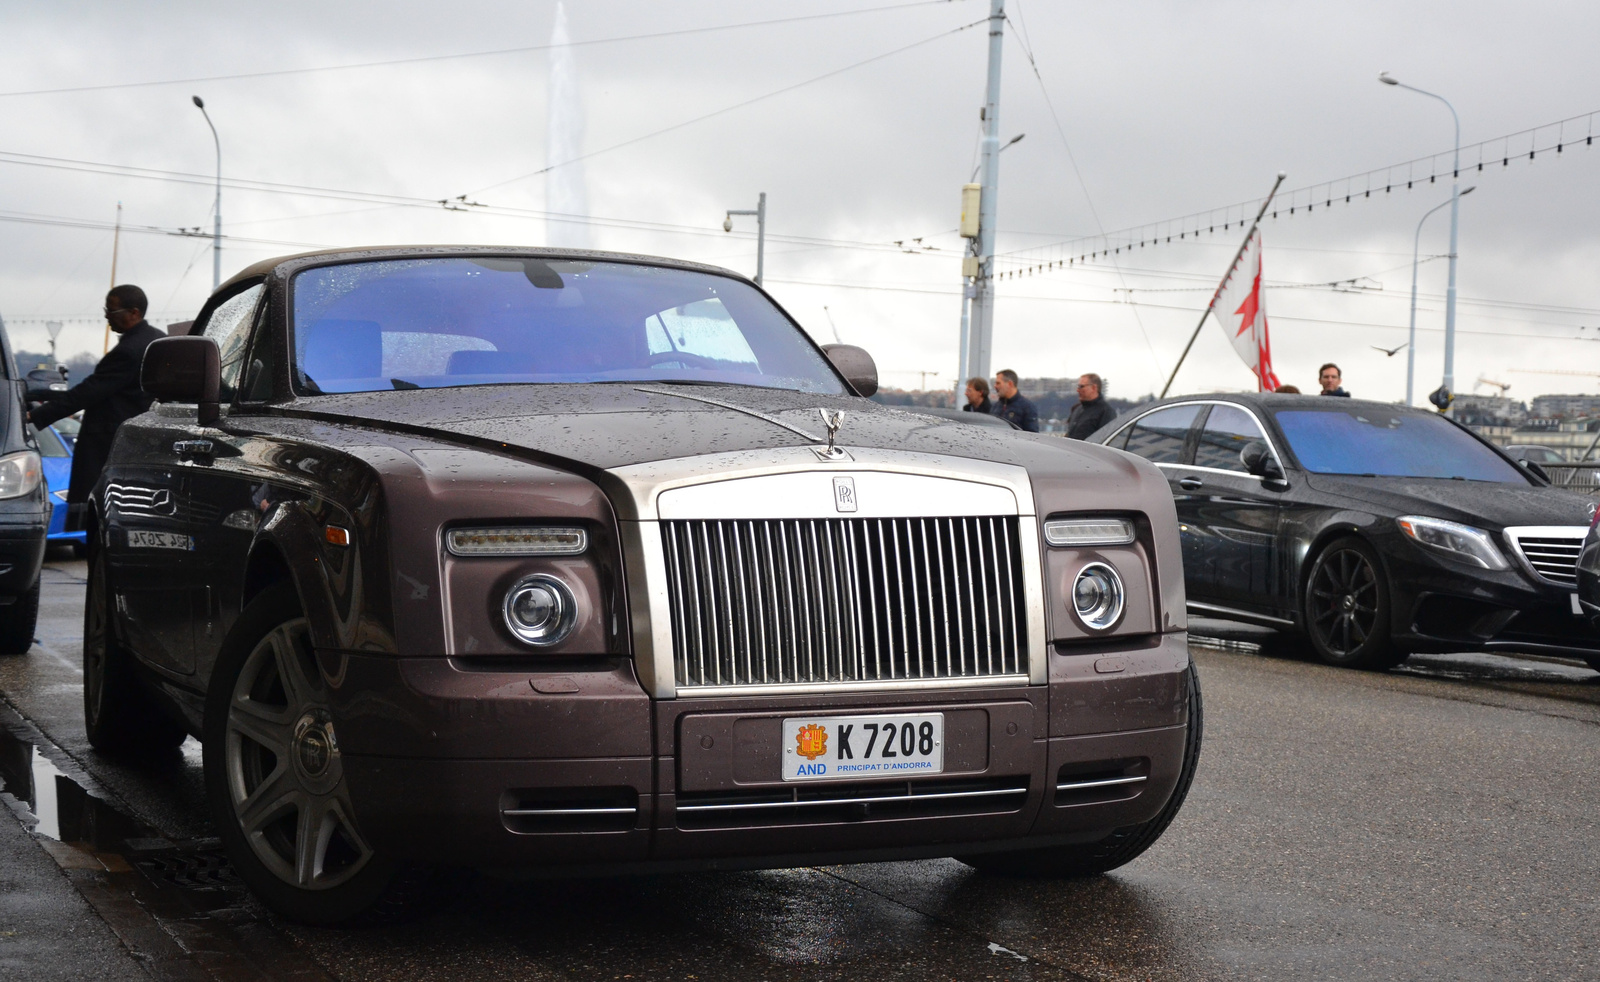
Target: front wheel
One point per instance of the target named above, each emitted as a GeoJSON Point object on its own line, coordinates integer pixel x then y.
{"type": "Point", "coordinates": [1122, 846]}
{"type": "Point", "coordinates": [119, 715]}
{"type": "Point", "coordinates": [274, 777]}
{"type": "Point", "coordinates": [1347, 607]}
{"type": "Point", "coordinates": [17, 621]}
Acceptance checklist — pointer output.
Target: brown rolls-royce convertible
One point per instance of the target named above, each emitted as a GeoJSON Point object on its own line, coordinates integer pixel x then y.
{"type": "Point", "coordinates": [546, 562]}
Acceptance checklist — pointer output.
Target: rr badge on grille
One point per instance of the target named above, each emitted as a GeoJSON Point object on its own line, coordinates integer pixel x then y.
{"type": "Point", "coordinates": [813, 741]}
{"type": "Point", "coordinates": [844, 493]}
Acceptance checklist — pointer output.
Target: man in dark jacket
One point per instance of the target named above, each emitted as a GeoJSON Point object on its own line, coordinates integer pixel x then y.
{"type": "Point", "coordinates": [107, 397]}
{"type": "Point", "coordinates": [1331, 379]}
{"type": "Point", "coordinates": [1012, 405]}
{"type": "Point", "coordinates": [1092, 410]}
{"type": "Point", "coordinates": [978, 396]}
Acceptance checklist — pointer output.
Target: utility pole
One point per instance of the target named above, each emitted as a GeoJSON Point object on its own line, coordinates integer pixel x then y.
{"type": "Point", "coordinates": [978, 277]}
{"type": "Point", "coordinates": [760, 212]}
{"type": "Point", "coordinates": [116, 243]}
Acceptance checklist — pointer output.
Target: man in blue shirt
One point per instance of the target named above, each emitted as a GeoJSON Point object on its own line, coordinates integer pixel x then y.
{"type": "Point", "coordinates": [1012, 405]}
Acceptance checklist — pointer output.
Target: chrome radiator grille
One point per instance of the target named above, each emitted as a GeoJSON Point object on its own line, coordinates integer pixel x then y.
{"type": "Point", "coordinates": [1552, 557]}
{"type": "Point", "coordinates": [785, 602]}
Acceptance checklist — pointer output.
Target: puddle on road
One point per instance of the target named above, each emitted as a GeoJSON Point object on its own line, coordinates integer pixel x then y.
{"type": "Point", "coordinates": [55, 806]}
{"type": "Point", "coordinates": [1464, 666]}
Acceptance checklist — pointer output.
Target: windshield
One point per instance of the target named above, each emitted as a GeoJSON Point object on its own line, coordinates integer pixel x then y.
{"type": "Point", "coordinates": [427, 323]}
{"type": "Point", "coordinates": [1373, 442]}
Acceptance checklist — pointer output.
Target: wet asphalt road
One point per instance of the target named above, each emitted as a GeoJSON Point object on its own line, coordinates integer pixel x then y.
{"type": "Point", "coordinates": [1437, 822]}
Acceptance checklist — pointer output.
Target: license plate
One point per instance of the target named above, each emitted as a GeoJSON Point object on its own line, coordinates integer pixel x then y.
{"type": "Point", "coordinates": [834, 747]}
{"type": "Point", "coordinates": [140, 539]}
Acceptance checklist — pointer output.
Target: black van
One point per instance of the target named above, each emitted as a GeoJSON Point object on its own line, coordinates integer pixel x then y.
{"type": "Point", "coordinates": [24, 511]}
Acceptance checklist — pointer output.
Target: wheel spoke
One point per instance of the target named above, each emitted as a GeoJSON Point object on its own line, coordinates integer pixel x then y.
{"type": "Point", "coordinates": [271, 798]}
{"type": "Point", "coordinates": [291, 671]}
{"type": "Point", "coordinates": [263, 725]}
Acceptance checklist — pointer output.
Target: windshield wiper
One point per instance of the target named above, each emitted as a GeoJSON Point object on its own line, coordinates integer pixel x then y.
{"type": "Point", "coordinates": [401, 383]}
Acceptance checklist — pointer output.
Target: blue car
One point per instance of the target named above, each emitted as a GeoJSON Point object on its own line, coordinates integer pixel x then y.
{"type": "Point", "coordinates": [55, 447]}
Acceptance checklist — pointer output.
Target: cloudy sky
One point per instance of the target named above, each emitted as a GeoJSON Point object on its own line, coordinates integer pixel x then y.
{"type": "Point", "coordinates": [860, 122]}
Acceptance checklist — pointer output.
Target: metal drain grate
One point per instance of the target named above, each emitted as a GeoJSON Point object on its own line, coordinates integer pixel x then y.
{"type": "Point", "coordinates": [200, 871]}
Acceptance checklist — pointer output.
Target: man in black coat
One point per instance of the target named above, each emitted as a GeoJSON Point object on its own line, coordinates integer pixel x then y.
{"type": "Point", "coordinates": [1012, 405]}
{"type": "Point", "coordinates": [1092, 410]}
{"type": "Point", "coordinates": [110, 395]}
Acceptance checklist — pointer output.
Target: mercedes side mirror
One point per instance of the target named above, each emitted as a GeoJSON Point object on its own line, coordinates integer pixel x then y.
{"type": "Point", "coordinates": [184, 369]}
{"type": "Point", "coordinates": [1536, 471]}
{"type": "Point", "coordinates": [855, 365]}
{"type": "Point", "coordinates": [1258, 460]}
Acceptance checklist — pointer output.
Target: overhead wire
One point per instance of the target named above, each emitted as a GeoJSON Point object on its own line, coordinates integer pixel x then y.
{"type": "Point", "coordinates": [1027, 50]}
{"type": "Point", "coordinates": [1323, 194]}
{"type": "Point", "coordinates": [728, 109]}
{"type": "Point", "coordinates": [495, 52]}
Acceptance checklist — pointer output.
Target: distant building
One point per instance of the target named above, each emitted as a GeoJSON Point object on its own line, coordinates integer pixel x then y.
{"type": "Point", "coordinates": [1488, 410]}
{"type": "Point", "coordinates": [1564, 405]}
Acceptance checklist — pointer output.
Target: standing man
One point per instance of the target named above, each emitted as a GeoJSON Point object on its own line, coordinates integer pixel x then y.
{"type": "Point", "coordinates": [1092, 411]}
{"type": "Point", "coordinates": [1330, 377]}
{"type": "Point", "coordinates": [107, 397]}
{"type": "Point", "coordinates": [1013, 406]}
{"type": "Point", "coordinates": [978, 397]}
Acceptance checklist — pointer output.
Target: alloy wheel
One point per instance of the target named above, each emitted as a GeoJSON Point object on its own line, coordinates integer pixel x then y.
{"type": "Point", "coordinates": [1344, 601]}
{"type": "Point", "coordinates": [284, 774]}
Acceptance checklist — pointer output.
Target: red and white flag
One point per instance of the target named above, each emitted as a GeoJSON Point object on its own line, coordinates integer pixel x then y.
{"type": "Point", "coordinates": [1241, 309]}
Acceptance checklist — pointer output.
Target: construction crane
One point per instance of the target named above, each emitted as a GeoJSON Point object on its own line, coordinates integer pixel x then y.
{"type": "Point", "coordinates": [1554, 371]}
{"type": "Point", "coordinates": [1502, 386]}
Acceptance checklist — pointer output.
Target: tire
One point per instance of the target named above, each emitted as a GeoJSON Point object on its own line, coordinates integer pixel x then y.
{"type": "Point", "coordinates": [1120, 847]}
{"type": "Point", "coordinates": [1346, 607]}
{"type": "Point", "coordinates": [274, 778]}
{"type": "Point", "coordinates": [17, 621]}
{"type": "Point", "coordinates": [119, 714]}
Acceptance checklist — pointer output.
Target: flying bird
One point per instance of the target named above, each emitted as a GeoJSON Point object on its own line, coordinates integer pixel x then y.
{"type": "Point", "coordinates": [1389, 351]}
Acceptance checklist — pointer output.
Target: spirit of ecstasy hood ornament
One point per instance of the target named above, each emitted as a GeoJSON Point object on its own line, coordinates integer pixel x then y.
{"type": "Point", "coordinates": [832, 419]}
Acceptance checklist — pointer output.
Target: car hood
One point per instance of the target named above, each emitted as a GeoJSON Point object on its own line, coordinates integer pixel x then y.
{"type": "Point", "coordinates": [605, 426]}
{"type": "Point", "coordinates": [1483, 504]}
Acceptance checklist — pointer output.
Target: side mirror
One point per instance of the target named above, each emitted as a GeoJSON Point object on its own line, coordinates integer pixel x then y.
{"type": "Point", "coordinates": [1536, 471]}
{"type": "Point", "coordinates": [184, 369]}
{"type": "Point", "coordinates": [855, 365]}
{"type": "Point", "coordinates": [1258, 460]}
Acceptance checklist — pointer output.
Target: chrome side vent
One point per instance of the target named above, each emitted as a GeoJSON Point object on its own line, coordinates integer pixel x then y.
{"type": "Point", "coordinates": [831, 601]}
{"type": "Point", "coordinates": [536, 810]}
{"type": "Point", "coordinates": [1095, 782]}
{"type": "Point", "coordinates": [851, 803]}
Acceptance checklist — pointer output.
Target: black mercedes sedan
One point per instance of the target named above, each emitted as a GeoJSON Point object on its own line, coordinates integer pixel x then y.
{"type": "Point", "coordinates": [1374, 529]}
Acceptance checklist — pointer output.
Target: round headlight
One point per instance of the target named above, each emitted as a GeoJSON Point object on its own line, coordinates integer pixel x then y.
{"type": "Point", "coordinates": [1097, 596]}
{"type": "Point", "coordinates": [540, 610]}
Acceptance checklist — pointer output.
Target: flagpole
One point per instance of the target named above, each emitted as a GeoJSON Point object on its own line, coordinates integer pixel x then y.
{"type": "Point", "coordinates": [1203, 314]}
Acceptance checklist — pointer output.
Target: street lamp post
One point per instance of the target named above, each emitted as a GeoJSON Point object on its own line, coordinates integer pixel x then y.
{"type": "Point", "coordinates": [1455, 209]}
{"type": "Point", "coordinates": [1411, 345]}
{"type": "Point", "coordinates": [760, 212]}
{"type": "Point", "coordinates": [216, 234]}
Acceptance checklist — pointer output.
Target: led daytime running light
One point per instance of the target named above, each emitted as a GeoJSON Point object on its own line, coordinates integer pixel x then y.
{"type": "Point", "coordinates": [1088, 532]}
{"type": "Point", "coordinates": [517, 541]}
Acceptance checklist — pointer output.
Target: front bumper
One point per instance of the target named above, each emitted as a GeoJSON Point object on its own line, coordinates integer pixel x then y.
{"type": "Point", "coordinates": [1442, 609]}
{"type": "Point", "coordinates": [21, 555]}
{"type": "Point", "coordinates": [466, 763]}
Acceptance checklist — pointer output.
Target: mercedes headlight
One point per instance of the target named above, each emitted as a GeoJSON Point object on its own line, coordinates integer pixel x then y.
{"type": "Point", "coordinates": [1460, 542]}
{"type": "Point", "coordinates": [20, 474]}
